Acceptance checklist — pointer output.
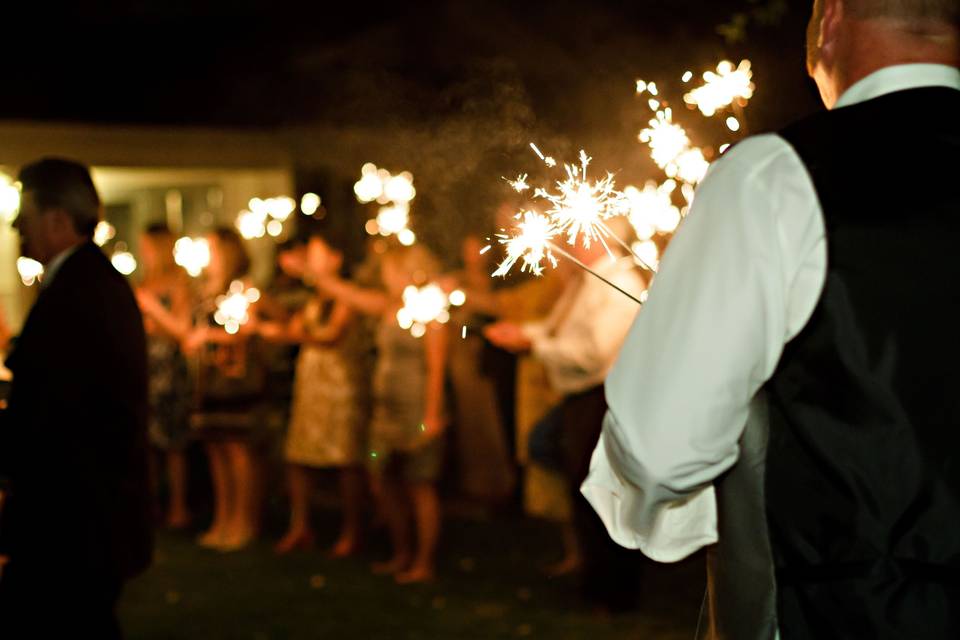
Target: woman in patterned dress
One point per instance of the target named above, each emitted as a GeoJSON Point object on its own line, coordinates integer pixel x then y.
{"type": "Point", "coordinates": [406, 445]}
{"type": "Point", "coordinates": [164, 298]}
{"type": "Point", "coordinates": [327, 416]}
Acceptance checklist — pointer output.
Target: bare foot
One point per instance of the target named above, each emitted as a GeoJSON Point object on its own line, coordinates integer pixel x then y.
{"type": "Point", "coordinates": [178, 520]}
{"type": "Point", "coordinates": [212, 538]}
{"type": "Point", "coordinates": [294, 541]}
{"type": "Point", "coordinates": [345, 547]}
{"type": "Point", "coordinates": [567, 566]}
{"type": "Point", "coordinates": [394, 565]}
{"type": "Point", "coordinates": [235, 541]}
{"type": "Point", "coordinates": [415, 575]}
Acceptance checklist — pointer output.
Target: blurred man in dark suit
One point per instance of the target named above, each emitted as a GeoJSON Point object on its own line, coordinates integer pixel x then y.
{"type": "Point", "coordinates": [73, 449]}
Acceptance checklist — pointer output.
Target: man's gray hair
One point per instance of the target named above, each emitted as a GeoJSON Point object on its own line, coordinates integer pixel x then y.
{"type": "Point", "coordinates": [57, 183]}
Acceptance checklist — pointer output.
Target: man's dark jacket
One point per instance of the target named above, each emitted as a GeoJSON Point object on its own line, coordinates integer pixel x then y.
{"type": "Point", "coordinates": [73, 443]}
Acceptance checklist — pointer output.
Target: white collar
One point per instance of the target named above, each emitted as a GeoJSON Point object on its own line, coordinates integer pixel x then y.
{"type": "Point", "coordinates": [900, 78]}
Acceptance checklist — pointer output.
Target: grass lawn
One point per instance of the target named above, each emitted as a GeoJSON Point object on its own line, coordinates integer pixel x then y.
{"type": "Point", "coordinates": [489, 586]}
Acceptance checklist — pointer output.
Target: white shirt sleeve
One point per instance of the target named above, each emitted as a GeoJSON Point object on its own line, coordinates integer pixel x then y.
{"type": "Point", "coordinates": [710, 335]}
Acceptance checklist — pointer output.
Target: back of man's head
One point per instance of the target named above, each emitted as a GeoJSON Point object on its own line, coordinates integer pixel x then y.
{"type": "Point", "coordinates": [910, 11]}
{"type": "Point", "coordinates": [57, 183]}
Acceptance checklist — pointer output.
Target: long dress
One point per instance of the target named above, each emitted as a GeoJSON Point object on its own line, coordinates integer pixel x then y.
{"type": "Point", "coordinates": [327, 417]}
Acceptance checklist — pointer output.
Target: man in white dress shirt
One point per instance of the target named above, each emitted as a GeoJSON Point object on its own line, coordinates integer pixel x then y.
{"type": "Point", "coordinates": [803, 405]}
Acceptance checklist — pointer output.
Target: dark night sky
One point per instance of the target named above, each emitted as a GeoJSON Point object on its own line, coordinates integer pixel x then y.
{"type": "Point", "coordinates": [452, 91]}
{"type": "Point", "coordinates": [266, 64]}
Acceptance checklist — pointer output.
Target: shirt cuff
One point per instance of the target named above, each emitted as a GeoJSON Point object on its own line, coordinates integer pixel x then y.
{"type": "Point", "coordinates": [678, 528]}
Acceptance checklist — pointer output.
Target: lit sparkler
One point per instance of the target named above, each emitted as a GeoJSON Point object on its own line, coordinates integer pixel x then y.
{"type": "Point", "coordinates": [104, 233]}
{"type": "Point", "coordinates": [233, 309]}
{"type": "Point", "coordinates": [727, 86]}
{"type": "Point", "coordinates": [30, 270]}
{"type": "Point", "coordinates": [580, 206]}
{"type": "Point", "coordinates": [265, 217]}
{"type": "Point", "coordinates": [9, 198]}
{"type": "Point", "coordinates": [530, 245]}
{"type": "Point", "coordinates": [395, 192]}
{"type": "Point", "coordinates": [193, 254]}
{"type": "Point", "coordinates": [520, 184]}
{"type": "Point", "coordinates": [652, 210]}
{"type": "Point", "coordinates": [423, 305]}
{"type": "Point", "coordinates": [122, 260]}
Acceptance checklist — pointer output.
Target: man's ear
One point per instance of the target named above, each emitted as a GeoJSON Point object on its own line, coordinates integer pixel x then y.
{"type": "Point", "coordinates": [833, 15]}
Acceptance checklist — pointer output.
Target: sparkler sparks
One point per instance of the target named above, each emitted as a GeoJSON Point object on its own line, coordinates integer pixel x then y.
{"type": "Point", "coordinates": [520, 184]}
{"type": "Point", "coordinates": [728, 85]}
{"type": "Point", "coordinates": [122, 260]}
{"type": "Point", "coordinates": [233, 309]}
{"type": "Point", "coordinates": [265, 217]}
{"type": "Point", "coordinates": [30, 270]}
{"type": "Point", "coordinates": [395, 192]}
{"type": "Point", "coordinates": [193, 254]}
{"type": "Point", "coordinates": [424, 305]}
{"type": "Point", "coordinates": [103, 233]}
{"type": "Point", "coordinates": [666, 139]}
{"type": "Point", "coordinates": [9, 198]}
{"type": "Point", "coordinates": [652, 210]}
{"type": "Point", "coordinates": [530, 244]}
{"type": "Point", "coordinates": [580, 206]}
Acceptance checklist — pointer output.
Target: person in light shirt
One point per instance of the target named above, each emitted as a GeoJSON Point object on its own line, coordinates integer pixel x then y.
{"type": "Point", "coordinates": [577, 343]}
{"type": "Point", "coordinates": [791, 379]}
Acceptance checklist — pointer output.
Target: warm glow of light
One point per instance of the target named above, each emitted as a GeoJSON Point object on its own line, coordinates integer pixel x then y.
{"type": "Point", "coordinates": [370, 186]}
{"type": "Point", "coordinates": [666, 139]}
{"type": "Point", "coordinates": [9, 198]}
{"type": "Point", "coordinates": [252, 224]}
{"type": "Point", "coordinates": [399, 188]}
{"type": "Point", "coordinates": [233, 308]}
{"type": "Point", "coordinates": [733, 124]}
{"type": "Point", "coordinates": [372, 228]}
{"type": "Point", "coordinates": [193, 254]}
{"type": "Point", "coordinates": [274, 228]}
{"type": "Point", "coordinates": [530, 243]}
{"type": "Point", "coordinates": [579, 206]}
{"type": "Point", "coordinates": [123, 261]}
{"type": "Point", "coordinates": [421, 306]}
{"type": "Point", "coordinates": [652, 209]}
{"type": "Point", "coordinates": [520, 184]}
{"type": "Point", "coordinates": [392, 220]}
{"type": "Point", "coordinates": [309, 204]}
{"type": "Point", "coordinates": [104, 233]}
{"type": "Point", "coordinates": [30, 270]}
{"type": "Point", "coordinates": [407, 237]}
{"type": "Point", "coordinates": [692, 166]}
{"type": "Point", "coordinates": [722, 88]}
{"type": "Point", "coordinates": [687, 76]}
{"type": "Point", "coordinates": [648, 252]}
{"type": "Point", "coordinates": [458, 298]}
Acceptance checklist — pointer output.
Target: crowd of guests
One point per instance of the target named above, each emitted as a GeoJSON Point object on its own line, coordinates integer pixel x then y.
{"type": "Point", "coordinates": [510, 390]}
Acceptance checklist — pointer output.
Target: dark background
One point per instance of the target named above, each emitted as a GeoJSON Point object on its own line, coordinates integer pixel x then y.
{"type": "Point", "coordinates": [453, 91]}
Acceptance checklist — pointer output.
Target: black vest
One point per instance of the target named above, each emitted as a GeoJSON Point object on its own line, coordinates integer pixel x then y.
{"type": "Point", "coordinates": [863, 463]}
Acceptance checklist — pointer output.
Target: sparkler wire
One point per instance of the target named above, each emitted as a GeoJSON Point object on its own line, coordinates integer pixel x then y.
{"type": "Point", "coordinates": [596, 275]}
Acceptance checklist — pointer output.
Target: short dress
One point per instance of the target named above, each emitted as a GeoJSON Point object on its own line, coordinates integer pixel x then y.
{"type": "Point", "coordinates": [327, 417]}
{"type": "Point", "coordinates": [230, 387]}
{"type": "Point", "coordinates": [397, 443]}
